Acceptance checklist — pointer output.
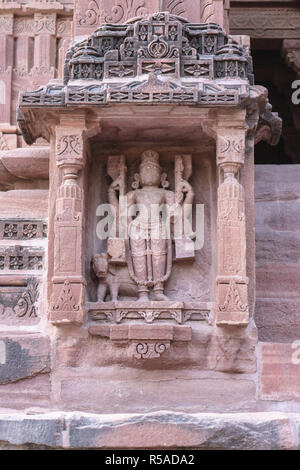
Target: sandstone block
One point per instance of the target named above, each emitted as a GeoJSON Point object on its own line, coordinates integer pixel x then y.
{"type": "Point", "coordinates": [161, 430]}
{"type": "Point", "coordinates": [150, 390]}
{"type": "Point", "coordinates": [278, 320]}
{"type": "Point", "coordinates": [280, 371]}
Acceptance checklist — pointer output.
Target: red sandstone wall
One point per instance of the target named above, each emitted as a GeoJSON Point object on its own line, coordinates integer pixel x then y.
{"type": "Point", "coordinates": [277, 195]}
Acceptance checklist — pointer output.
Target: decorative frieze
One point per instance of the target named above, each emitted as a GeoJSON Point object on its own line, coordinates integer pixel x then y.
{"type": "Point", "coordinates": [6, 24]}
{"type": "Point", "coordinates": [122, 311]}
{"type": "Point", "coordinates": [24, 26]}
{"type": "Point", "coordinates": [40, 24]}
{"type": "Point", "coordinates": [21, 258]}
{"type": "Point", "coordinates": [22, 230]}
{"type": "Point", "coordinates": [105, 94]}
{"type": "Point", "coordinates": [266, 22]}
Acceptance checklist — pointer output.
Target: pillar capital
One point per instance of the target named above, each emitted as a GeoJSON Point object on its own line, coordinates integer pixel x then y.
{"type": "Point", "coordinates": [70, 148]}
{"type": "Point", "coordinates": [230, 144]}
{"type": "Point", "coordinates": [45, 23]}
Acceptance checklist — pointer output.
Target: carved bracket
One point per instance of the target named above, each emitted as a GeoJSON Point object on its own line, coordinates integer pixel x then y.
{"type": "Point", "coordinates": [145, 341]}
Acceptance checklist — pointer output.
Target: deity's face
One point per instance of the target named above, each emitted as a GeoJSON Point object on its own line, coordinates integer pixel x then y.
{"type": "Point", "coordinates": [150, 175]}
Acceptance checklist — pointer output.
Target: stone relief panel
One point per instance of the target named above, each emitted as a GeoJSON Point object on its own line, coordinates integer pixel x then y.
{"type": "Point", "coordinates": [142, 281]}
{"type": "Point", "coordinates": [18, 303]}
{"type": "Point", "coordinates": [147, 251]}
{"type": "Point", "coordinates": [92, 13]}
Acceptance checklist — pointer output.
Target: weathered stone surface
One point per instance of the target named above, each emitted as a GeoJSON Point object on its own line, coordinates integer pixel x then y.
{"type": "Point", "coordinates": [25, 163]}
{"type": "Point", "coordinates": [209, 349]}
{"type": "Point", "coordinates": [25, 429]}
{"type": "Point", "coordinates": [283, 215]}
{"type": "Point", "coordinates": [33, 392]}
{"type": "Point", "coordinates": [278, 280]}
{"type": "Point", "coordinates": [23, 356]}
{"type": "Point", "coordinates": [277, 311]}
{"type": "Point", "coordinates": [277, 247]}
{"type": "Point", "coordinates": [24, 203]}
{"type": "Point", "coordinates": [141, 391]}
{"type": "Point", "coordinates": [278, 320]}
{"type": "Point", "coordinates": [280, 371]}
{"type": "Point", "coordinates": [161, 430]}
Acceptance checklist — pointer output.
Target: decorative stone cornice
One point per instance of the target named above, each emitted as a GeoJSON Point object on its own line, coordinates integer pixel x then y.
{"type": "Point", "coordinates": [265, 22]}
{"type": "Point", "coordinates": [32, 6]}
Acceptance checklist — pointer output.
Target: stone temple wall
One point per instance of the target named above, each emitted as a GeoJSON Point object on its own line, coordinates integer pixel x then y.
{"type": "Point", "coordinates": [62, 387]}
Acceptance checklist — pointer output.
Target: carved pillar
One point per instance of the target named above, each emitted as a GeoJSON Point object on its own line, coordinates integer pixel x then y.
{"type": "Point", "coordinates": [6, 58]}
{"type": "Point", "coordinates": [232, 282]}
{"type": "Point", "coordinates": [45, 41]}
{"type": "Point", "coordinates": [69, 226]}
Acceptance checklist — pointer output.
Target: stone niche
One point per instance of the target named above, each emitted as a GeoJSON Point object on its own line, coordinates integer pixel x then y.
{"type": "Point", "coordinates": [161, 111]}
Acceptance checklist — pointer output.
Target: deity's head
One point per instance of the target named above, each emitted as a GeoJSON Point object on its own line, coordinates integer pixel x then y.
{"type": "Point", "coordinates": [150, 170]}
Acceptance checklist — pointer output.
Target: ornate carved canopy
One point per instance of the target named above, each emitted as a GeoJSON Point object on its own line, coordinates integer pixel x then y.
{"type": "Point", "coordinates": [158, 59]}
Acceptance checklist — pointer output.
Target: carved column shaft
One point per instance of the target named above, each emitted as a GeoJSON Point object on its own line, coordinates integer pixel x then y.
{"type": "Point", "coordinates": [45, 40]}
{"type": "Point", "coordinates": [232, 282]}
{"type": "Point", "coordinates": [6, 62]}
{"type": "Point", "coordinates": [69, 226]}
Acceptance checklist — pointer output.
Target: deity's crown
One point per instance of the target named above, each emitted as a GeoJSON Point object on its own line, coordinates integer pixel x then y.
{"type": "Point", "coordinates": [150, 157]}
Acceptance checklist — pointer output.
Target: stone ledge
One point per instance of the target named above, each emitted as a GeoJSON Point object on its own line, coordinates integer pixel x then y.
{"type": "Point", "coordinates": [161, 430]}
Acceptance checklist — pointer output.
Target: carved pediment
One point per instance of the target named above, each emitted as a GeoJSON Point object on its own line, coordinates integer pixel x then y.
{"type": "Point", "coordinates": [160, 43]}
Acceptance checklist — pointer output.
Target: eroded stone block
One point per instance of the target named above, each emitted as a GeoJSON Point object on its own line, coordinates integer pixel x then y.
{"type": "Point", "coordinates": [23, 356]}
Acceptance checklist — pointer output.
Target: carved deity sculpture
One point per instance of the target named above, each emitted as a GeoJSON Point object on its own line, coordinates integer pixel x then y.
{"type": "Point", "coordinates": [150, 206]}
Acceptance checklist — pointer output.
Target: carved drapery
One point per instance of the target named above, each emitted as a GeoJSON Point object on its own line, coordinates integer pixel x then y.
{"type": "Point", "coordinates": [68, 277]}
{"type": "Point", "coordinates": [232, 282]}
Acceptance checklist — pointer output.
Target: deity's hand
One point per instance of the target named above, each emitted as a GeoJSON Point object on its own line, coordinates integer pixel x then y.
{"type": "Point", "coordinates": [115, 185]}
{"type": "Point", "coordinates": [112, 192]}
{"type": "Point", "coordinates": [187, 190]}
